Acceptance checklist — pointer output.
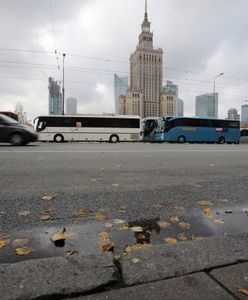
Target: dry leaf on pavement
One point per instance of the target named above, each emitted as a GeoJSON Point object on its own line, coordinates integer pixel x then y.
{"type": "Point", "coordinates": [182, 237]}
{"type": "Point", "coordinates": [71, 253]}
{"type": "Point", "coordinates": [162, 224]}
{"type": "Point", "coordinates": [24, 213]}
{"type": "Point", "coordinates": [184, 226]}
{"type": "Point", "coordinates": [245, 210]}
{"type": "Point", "coordinates": [197, 238]}
{"type": "Point", "coordinates": [105, 242]}
{"type": "Point", "coordinates": [123, 228]}
{"type": "Point", "coordinates": [157, 205]}
{"type": "Point", "coordinates": [135, 260]}
{"type": "Point", "coordinates": [23, 250]}
{"type": "Point", "coordinates": [108, 225]}
{"type": "Point", "coordinates": [59, 236]}
{"type": "Point", "coordinates": [208, 212]}
{"type": "Point", "coordinates": [136, 229]}
{"type": "Point", "coordinates": [20, 242]}
{"type": "Point", "coordinates": [204, 202]}
{"type": "Point", "coordinates": [243, 291]}
{"type": "Point", "coordinates": [100, 217]}
{"type": "Point", "coordinates": [179, 207]}
{"type": "Point", "coordinates": [119, 221]}
{"type": "Point", "coordinates": [3, 243]}
{"type": "Point", "coordinates": [170, 240]}
{"type": "Point", "coordinates": [48, 197]}
{"type": "Point", "coordinates": [79, 213]}
{"type": "Point", "coordinates": [44, 217]}
{"type": "Point", "coordinates": [130, 249]}
{"type": "Point", "coordinates": [115, 184]}
{"type": "Point", "coordinates": [174, 219]}
{"type": "Point", "coordinates": [218, 221]}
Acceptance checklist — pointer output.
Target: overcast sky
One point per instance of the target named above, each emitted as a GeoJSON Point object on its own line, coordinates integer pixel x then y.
{"type": "Point", "coordinates": [200, 39]}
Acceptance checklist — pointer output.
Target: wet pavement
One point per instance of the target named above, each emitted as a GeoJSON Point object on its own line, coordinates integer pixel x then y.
{"type": "Point", "coordinates": [121, 236]}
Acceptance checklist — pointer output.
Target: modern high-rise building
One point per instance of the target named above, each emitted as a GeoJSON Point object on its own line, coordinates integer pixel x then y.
{"type": "Point", "coordinates": [55, 98]}
{"type": "Point", "coordinates": [232, 114]}
{"type": "Point", "coordinates": [244, 113]}
{"type": "Point", "coordinates": [180, 107]}
{"type": "Point", "coordinates": [120, 88]}
{"type": "Point", "coordinates": [146, 74]}
{"type": "Point", "coordinates": [207, 105]}
{"type": "Point", "coordinates": [71, 106]}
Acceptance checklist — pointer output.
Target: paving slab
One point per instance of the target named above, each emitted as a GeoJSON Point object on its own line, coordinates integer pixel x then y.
{"type": "Point", "coordinates": [165, 261]}
{"type": "Point", "coordinates": [193, 287]}
{"type": "Point", "coordinates": [56, 277]}
{"type": "Point", "coordinates": [233, 278]}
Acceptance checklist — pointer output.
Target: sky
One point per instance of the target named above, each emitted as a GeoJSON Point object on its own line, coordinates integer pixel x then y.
{"type": "Point", "coordinates": [200, 39]}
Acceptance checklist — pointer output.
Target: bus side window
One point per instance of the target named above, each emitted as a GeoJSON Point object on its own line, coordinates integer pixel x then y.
{"type": "Point", "coordinates": [41, 126]}
{"type": "Point", "coordinates": [78, 124]}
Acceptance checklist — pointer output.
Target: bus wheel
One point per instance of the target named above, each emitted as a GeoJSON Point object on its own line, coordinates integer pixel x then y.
{"type": "Point", "coordinates": [114, 139]}
{"type": "Point", "coordinates": [58, 138]}
{"type": "Point", "coordinates": [181, 139]}
{"type": "Point", "coordinates": [17, 139]}
{"type": "Point", "coordinates": [221, 140]}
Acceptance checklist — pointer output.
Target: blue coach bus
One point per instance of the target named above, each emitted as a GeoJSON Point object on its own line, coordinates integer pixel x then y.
{"type": "Point", "coordinates": [193, 129]}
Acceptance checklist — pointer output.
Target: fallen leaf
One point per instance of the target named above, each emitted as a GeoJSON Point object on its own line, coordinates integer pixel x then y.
{"type": "Point", "coordinates": [123, 228]}
{"type": "Point", "coordinates": [71, 253]}
{"type": "Point", "coordinates": [3, 243]}
{"type": "Point", "coordinates": [105, 242]}
{"type": "Point", "coordinates": [179, 207]}
{"type": "Point", "coordinates": [48, 197]}
{"type": "Point", "coordinates": [44, 217]}
{"type": "Point", "coordinates": [93, 179]}
{"type": "Point", "coordinates": [184, 226]}
{"type": "Point", "coordinates": [170, 240]}
{"type": "Point", "coordinates": [50, 210]}
{"type": "Point", "coordinates": [135, 260]}
{"type": "Point", "coordinates": [141, 236]}
{"type": "Point", "coordinates": [174, 219]}
{"type": "Point", "coordinates": [157, 205]}
{"type": "Point", "coordinates": [117, 256]}
{"type": "Point", "coordinates": [23, 250]}
{"type": "Point", "coordinates": [162, 224]}
{"type": "Point", "coordinates": [137, 228]}
{"type": "Point", "coordinates": [119, 221]}
{"type": "Point", "coordinates": [59, 236]}
{"type": "Point", "coordinates": [243, 291]}
{"type": "Point", "coordinates": [208, 211]}
{"type": "Point", "coordinates": [218, 221]}
{"type": "Point", "coordinates": [197, 238]}
{"type": "Point", "coordinates": [20, 242]}
{"type": "Point", "coordinates": [102, 169]}
{"type": "Point", "coordinates": [108, 225]}
{"type": "Point", "coordinates": [245, 210]}
{"type": "Point", "coordinates": [224, 200]}
{"type": "Point", "coordinates": [129, 249]}
{"type": "Point", "coordinates": [195, 185]}
{"type": "Point", "coordinates": [212, 165]}
{"type": "Point", "coordinates": [2, 212]}
{"type": "Point", "coordinates": [100, 217]}
{"type": "Point", "coordinates": [115, 184]}
{"type": "Point", "coordinates": [24, 213]}
{"type": "Point", "coordinates": [79, 213]}
{"type": "Point", "coordinates": [182, 237]}
{"type": "Point", "coordinates": [204, 202]}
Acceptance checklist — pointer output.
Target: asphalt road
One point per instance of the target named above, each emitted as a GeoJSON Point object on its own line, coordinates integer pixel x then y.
{"type": "Point", "coordinates": [130, 182]}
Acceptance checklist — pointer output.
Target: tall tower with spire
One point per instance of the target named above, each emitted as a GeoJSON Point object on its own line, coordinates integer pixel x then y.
{"type": "Point", "coordinates": [146, 74]}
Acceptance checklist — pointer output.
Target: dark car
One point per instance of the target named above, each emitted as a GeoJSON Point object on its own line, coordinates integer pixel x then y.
{"type": "Point", "coordinates": [15, 133]}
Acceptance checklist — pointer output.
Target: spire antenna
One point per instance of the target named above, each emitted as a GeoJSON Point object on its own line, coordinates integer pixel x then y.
{"type": "Point", "coordinates": [146, 16]}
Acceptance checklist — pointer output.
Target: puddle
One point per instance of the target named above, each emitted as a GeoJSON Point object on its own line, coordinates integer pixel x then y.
{"type": "Point", "coordinates": [83, 239]}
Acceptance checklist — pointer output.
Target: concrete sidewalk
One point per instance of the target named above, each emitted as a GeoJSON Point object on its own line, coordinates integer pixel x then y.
{"type": "Point", "coordinates": [213, 268]}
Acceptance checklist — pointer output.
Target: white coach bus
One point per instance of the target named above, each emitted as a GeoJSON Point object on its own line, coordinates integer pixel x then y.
{"type": "Point", "coordinates": [105, 128]}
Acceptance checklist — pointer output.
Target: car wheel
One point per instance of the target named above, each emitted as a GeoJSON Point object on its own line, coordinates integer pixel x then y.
{"type": "Point", "coordinates": [114, 139]}
{"type": "Point", "coordinates": [221, 140]}
{"type": "Point", "coordinates": [58, 138]}
{"type": "Point", "coordinates": [17, 139]}
{"type": "Point", "coordinates": [181, 139]}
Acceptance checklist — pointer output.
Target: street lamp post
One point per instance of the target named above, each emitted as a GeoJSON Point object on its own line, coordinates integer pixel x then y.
{"type": "Point", "coordinates": [214, 81]}
{"type": "Point", "coordinates": [216, 104]}
{"type": "Point", "coordinates": [63, 88]}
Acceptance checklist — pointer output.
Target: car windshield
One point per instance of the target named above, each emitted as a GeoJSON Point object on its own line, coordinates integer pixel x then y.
{"type": "Point", "coordinates": [7, 119]}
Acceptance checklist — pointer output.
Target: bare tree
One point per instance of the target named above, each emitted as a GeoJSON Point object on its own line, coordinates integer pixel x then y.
{"type": "Point", "coordinates": [19, 111]}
